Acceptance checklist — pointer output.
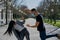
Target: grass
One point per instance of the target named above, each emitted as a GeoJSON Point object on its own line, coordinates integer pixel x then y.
{"type": "Point", "coordinates": [57, 23]}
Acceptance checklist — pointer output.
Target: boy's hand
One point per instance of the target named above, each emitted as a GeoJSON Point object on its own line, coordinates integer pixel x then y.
{"type": "Point", "coordinates": [28, 25]}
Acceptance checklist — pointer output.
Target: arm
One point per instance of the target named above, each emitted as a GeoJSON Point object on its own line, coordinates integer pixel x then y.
{"type": "Point", "coordinates": [38, 19]}
{"type": "Point", "coordinates": [36, 24]}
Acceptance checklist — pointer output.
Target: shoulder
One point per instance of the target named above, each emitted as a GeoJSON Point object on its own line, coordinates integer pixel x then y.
{"type": "Point", "coordinates": [38, 16]}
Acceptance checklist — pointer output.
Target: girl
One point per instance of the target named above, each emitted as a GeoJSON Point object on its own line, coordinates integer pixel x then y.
{"type": "Point", "coordinates": [18, 30]}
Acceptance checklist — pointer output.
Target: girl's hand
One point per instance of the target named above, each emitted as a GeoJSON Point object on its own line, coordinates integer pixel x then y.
{"type": "Point", "coordinates": [22, 18]}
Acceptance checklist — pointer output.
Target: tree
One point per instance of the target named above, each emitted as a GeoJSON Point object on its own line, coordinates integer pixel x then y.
{"type": "Point", "coordinates": [22, 7]}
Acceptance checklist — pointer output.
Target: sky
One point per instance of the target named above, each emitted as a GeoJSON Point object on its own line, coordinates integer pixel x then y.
{"type": "Point", "coordinates": [29, 3]}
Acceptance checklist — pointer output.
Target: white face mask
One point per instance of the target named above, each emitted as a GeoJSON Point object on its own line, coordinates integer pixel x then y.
{"type": "Point", "coordinates": [33, 15]}
{"type": "Point", "coordinates": [21, 20]}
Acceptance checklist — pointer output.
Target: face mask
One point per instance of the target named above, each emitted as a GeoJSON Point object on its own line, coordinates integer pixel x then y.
{"type": "Point", "coordinates": [33, 15]}
{"type": "Point", "coordinates": [21, 20]}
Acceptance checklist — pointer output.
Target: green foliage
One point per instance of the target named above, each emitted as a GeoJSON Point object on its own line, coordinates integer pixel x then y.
{"type": "Point", "coordinates": [57, 23]}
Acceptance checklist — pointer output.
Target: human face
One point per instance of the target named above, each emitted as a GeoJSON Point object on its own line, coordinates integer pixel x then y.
{"type": "Point", "coordinates": [32, 11]}
{"type": "Point", "coordinates": [35, 13]}
{"type": "Point", "coordinates": [22, 18]}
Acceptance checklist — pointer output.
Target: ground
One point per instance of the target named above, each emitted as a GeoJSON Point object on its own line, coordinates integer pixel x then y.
{"type": "Point", "coordinates": [34, 34]}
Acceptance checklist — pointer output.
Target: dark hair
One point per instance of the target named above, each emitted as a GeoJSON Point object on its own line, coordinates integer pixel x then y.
{"type": "Point", "coordinates": [10, 26]}
{"type": "Point", "coordinates": [33, 9]}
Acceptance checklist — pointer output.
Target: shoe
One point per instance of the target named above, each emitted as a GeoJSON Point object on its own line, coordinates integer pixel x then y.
{"type": "Point", "coordinates": [58, 36]}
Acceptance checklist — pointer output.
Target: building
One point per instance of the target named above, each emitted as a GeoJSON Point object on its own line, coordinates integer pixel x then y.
{"type": "Point", "coordinates": [3, 16]}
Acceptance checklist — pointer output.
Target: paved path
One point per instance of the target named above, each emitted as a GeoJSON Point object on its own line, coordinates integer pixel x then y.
{"type": "Point", "coordinates": [34, 34]}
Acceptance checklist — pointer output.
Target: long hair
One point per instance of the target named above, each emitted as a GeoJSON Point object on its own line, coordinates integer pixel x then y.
{"type": "Point", "coordinates": [10, 27]}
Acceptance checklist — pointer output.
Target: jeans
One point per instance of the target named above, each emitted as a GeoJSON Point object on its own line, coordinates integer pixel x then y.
{"type": "Point", "coordinates": [43, 35]}
{"type": "Point", "coordinates": [24, 33]}
{"type": "Point", "coordinates": [16, 33]}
